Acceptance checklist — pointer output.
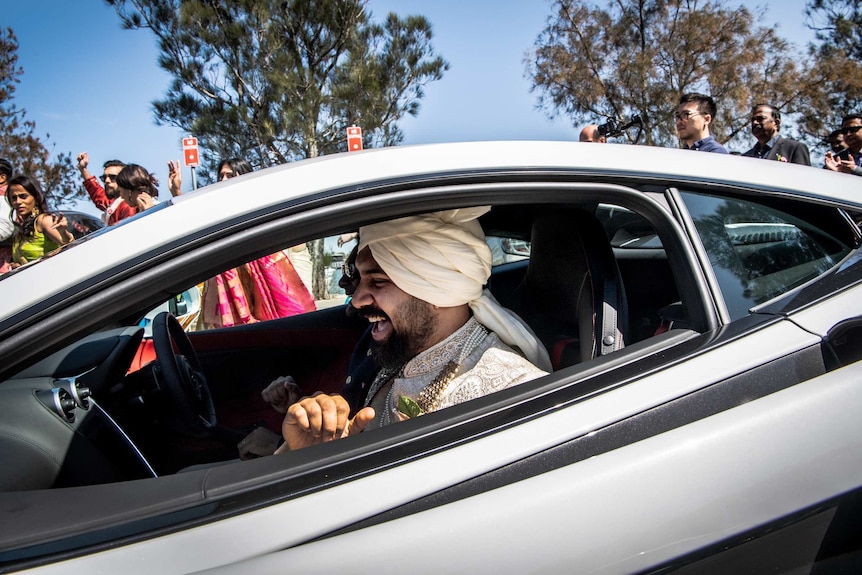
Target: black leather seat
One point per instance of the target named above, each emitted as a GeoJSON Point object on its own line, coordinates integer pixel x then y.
{"type": "Point", "coordinates": [572, 294]}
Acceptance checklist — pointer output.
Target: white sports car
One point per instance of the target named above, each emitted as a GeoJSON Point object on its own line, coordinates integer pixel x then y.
{"type": "Point", "coordinates": [703, 314]}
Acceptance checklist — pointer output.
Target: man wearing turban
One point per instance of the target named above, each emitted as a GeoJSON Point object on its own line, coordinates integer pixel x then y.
{"type": "Point", "coordinates": [438, 336]}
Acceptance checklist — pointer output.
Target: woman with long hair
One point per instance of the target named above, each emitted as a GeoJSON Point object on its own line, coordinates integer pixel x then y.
{"type": "Point", "coordinates": [138, 188]}
{"type": "Point", "coordinates": [37, 230]}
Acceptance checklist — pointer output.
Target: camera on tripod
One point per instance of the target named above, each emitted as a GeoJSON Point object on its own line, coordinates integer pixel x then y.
{"type": "Point", "coordinates": [614, 128]}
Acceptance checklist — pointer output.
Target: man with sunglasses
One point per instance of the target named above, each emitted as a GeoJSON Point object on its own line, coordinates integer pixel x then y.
{"type": "Point", "coordinates": [693, 116]}
{"type": "Point", "coordinates": [106, 198]}
{"type": "Point", "coordinates": [765, 123]}
{"type": "Point", "coordinates": [848, 161]}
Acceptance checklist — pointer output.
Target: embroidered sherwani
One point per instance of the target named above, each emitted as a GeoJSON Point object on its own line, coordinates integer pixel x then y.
{"type": "Point", "coordinates": [484, 365]}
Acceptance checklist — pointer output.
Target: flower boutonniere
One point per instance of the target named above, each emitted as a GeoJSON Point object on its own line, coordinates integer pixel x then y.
{"type": "Point", "coordinates": [408, 408]}
{"type": "Point", "coordinates": [780, 158]}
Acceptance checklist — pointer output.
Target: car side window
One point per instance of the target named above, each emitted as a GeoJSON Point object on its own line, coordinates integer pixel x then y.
{"type": "Point", "coordinates": [627, 229]}
{"type": "Point", "coordinates": [278, 285]}
{"type": "Point", "coordinates": [759, 252]}
{"type": "Point", "coordinates": [505, 250]}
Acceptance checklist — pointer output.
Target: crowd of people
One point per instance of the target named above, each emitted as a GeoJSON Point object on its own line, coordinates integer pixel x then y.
{"type": "Point", "coordinates": [242, 295]}
{"type": "Point", "coordinates": [695, 113]}
{"type": "Point", "coordinates": [31, 229]}
{"type": "Point", "coordinates": [266, 288]}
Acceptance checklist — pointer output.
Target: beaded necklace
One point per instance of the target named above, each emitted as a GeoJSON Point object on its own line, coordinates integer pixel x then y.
{"type": "Point", "coordinates": [430, 397]}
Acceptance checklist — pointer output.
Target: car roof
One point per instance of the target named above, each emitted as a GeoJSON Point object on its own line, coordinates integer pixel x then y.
{"type": "Point", "coordinates": [260, 191]}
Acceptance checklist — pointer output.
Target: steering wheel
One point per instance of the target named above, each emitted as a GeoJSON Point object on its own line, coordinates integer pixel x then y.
{"type": "Point", "coordinates": [191, 403]}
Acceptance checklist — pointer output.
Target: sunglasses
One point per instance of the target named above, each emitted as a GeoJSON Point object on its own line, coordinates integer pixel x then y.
{"type": "Point", "coordinates": [106, 177]}
{"type": "Point", "coordinates": [850, 130]}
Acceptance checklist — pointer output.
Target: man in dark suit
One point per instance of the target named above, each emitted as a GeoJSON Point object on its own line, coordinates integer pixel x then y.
{"type": "Point", "coordinates": [765, 123]}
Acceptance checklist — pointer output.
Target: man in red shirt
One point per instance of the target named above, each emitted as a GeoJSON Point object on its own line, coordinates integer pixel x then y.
{"type": "Point", "coordinates": [108, 198]}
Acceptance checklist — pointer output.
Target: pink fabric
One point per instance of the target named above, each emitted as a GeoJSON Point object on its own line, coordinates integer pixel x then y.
{"type": "Point", "coordinates": [233, 307]}
{"type": "Point", "coordinates": [274, 290]}
{"type": "Point", "coordinates": [278, 290]}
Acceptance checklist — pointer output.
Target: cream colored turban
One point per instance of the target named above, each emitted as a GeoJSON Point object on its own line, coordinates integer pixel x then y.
{"type": "Point", "coordinates": [442, 258]}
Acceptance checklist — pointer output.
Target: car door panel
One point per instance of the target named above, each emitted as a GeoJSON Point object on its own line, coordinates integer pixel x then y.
{"type": "Point", "coordinates": [239, 362]}
{"type": "Point", "coordinates": [353, 491]}
{"type": "Point", "coordinates": [560, 498]}
{"type": "Point", "coordinates": [530, 524]}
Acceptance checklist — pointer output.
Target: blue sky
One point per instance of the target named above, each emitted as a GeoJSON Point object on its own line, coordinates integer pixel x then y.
{"type": "Point", "coordinates": [89, 84]}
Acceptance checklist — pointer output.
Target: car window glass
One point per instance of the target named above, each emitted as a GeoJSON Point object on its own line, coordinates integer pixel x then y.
{"type": "Point", "coordinates": [81, 224]}
{"type": "Point", "coordinates": [279, 285]}
{"type": "Point", "coordinates": [758, 252]}
{"type": "Point", "coordinates": [627, 229]}
{"type": "Point", "coordinates": [506, 250]}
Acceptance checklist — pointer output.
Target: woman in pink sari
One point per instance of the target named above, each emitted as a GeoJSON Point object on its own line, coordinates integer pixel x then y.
{"type": "Point", "coordinates": [263, 289]}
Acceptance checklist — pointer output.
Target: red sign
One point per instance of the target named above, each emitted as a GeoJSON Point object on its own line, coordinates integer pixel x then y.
{"type": "Point", "coordinates": [354, 139]}
{"type": "Point", "coordinates": [190, 152]}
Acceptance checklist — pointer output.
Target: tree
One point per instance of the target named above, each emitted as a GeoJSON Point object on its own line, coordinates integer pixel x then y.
{"type": "Point", "coordinates": [18, 142]}
{"type": "Point", "coordinates": [280, 80]}
{"type": "Point", "coordinates": [838, 59]}
{"type": "Point", "coordinates": [276, 81]}
{"type": "Point", "coordinates": [640, 56]}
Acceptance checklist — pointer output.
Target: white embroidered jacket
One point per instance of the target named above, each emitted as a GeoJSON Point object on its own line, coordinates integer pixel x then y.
{"type": "Point", "coordinates": [490, 367]}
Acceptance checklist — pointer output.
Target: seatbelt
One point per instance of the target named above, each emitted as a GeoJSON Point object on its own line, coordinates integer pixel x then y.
{"type": "Point", "coordinates": [612, 336]}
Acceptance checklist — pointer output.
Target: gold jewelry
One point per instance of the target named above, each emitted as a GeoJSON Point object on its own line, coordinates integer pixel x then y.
{"type": "Point", "coordinates": [431, 397]}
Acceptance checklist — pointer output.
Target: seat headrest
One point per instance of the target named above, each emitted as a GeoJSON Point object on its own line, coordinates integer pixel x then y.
{"type": "Point", "coordinates": [560, 246]}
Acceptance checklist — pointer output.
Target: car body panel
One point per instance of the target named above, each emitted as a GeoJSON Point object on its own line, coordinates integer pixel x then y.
{"type": "Point", "coordinates": [820, 319]}
{"type": "Point", "coordinates": [643, 504]}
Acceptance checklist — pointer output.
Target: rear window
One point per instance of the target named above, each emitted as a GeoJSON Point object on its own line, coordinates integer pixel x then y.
{"type": "Point", "coordinates": [759, 252]}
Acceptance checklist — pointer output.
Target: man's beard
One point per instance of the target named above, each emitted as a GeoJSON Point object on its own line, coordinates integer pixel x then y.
{"type": "Point", "coordinates": [417, 324]}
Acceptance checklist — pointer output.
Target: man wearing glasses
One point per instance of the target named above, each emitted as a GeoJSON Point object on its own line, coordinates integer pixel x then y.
{"type": "Point", "coordinates": [107, 198]}
{"type": "Point", "coordinates": [693, 117]}
{"type": "Point", "coordinates": [765, 123]}
{"type": "Point", "coordinates": [848, 161]}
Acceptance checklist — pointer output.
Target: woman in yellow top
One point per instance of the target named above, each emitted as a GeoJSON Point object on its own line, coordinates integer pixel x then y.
{"type": "Point", "coordinates": [37, 231]}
